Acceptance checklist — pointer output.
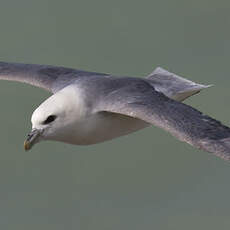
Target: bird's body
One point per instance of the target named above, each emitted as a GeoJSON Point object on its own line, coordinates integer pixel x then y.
{"type": "Point", "coordinates": [84, 126]}
{"type": "Point", "coordinates": [102, 127]}
{"type": "Point", "coordinates": [88, 108]}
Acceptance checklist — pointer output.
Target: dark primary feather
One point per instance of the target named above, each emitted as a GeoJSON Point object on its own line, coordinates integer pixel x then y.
{"type": "Point", "coordinates": [48, 77]}
{"type": "Point", "coordinates": [137, 98]}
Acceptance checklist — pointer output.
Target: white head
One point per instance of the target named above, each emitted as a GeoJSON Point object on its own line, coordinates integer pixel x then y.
{"type": "Point", "coordinates": [53, 119]}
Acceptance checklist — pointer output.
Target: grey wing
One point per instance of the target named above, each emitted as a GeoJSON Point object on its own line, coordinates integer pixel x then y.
{"type": "Point", "coordinates": [140, 100]}
{"type": "Point", "coordinates": [50, 78]}
{"type": "Point", "coordinates": [174, 86]}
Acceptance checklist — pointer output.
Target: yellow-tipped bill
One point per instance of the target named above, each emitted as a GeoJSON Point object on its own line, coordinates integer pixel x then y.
{"type": "Point", "coordinates": [32, 138]}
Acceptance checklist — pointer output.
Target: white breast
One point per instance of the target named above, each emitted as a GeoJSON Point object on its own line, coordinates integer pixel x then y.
{"type": "Point", "coordinates": [102, 127]}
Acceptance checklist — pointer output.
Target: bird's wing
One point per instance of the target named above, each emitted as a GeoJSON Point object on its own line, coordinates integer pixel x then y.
{"type": "Point", "coordinates": [50, 78]}
{"type": "Point", "coordinates": [138, 99]}
{"type": "Point", "coordinates": [174, 86]}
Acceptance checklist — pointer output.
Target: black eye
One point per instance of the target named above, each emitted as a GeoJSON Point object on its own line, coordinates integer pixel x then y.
{"type": "Point", "coordinates": [49, 119]}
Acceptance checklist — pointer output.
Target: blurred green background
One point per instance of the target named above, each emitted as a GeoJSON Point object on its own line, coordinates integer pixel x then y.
{"type": "Point", "coordinates": [147, 180]}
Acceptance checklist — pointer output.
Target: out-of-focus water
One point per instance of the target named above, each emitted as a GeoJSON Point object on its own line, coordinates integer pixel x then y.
{"type": "Point", "coordinates": [147, 180]}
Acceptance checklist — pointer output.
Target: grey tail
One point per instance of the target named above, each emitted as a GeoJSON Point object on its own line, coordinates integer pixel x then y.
{"type": "Point", "coordinates": [173, 86]}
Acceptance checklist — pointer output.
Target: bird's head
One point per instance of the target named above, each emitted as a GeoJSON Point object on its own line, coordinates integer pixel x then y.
{"type": "Point", "coordinates": [53, 119]}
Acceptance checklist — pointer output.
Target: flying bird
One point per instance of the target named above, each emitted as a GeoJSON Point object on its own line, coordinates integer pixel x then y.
{"type": "Point", "coordinates": [88, 108]}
